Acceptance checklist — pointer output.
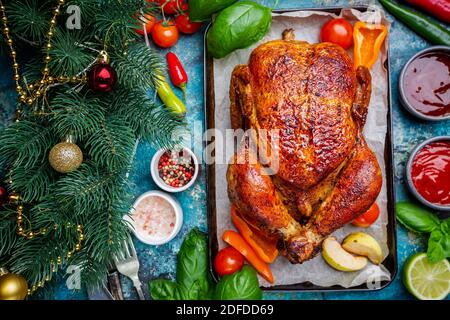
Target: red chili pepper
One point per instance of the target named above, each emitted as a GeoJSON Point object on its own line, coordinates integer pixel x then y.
{"type": "Point", "coordinates": [177, 72]}
{"type": "Point", "coordinates": [438, 8]}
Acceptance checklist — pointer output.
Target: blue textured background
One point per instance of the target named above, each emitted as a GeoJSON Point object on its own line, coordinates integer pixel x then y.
{"type": "Point", "coordinates": [160, 261]}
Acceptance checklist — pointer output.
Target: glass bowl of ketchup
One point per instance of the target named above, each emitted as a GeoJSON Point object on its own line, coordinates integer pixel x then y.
{"type": "Point", "coordinates": [428, 173]}
{"type": "Point", "coordinates": [424, 84]}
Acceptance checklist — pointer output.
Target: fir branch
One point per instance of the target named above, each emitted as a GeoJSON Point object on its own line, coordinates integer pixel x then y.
{"type": "Point", "coordinates": [33, 258]}
{"type": "Point", "coordinates": [47, 213]}
{"type": "Point", "coordinates": [139, 68]}
{"type": "Point", "coordinates": [87, 190]}
{"type": "Point", "coordinates": [115, 25]}
{"type": "Point", "coordinates": [31, 70]}
{"type": "Point", "coordinates": [33, 181]}
{"type": "Point", "coordinates": [95, 260]}
{"type": "Point", "coordinates": [106, 231]}
{"type": "Point", "coordinates": [8, 236]}
{"type": "Point", "coordinates": [29, 19]}
{"type": "Point", "coordinates": [150, 122]}
{"type": "Point", "coordinates": [69, 58]}
{"type": "Point", "coordinates": [76, 114]}
{"type": "Point", "coordinates": [112, 146]}
{"type": "Point", "coordinates": [97, 194]}
{"type": "Point", "coordinates": [94, 270]}
{"type": "Point", "coordinates": [25, 143]}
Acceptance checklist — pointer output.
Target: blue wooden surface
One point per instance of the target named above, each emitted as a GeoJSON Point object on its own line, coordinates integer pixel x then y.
{"type": "Point", "coordinates": [160, 261]}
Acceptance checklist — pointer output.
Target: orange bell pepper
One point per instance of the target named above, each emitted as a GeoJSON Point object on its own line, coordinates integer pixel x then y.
{"type": "Point", "coordinates": [265, 248]}
{"type": "Point", "coordinates": [367, 39]}
{"type": "Point", "coordinates": [235, 240]}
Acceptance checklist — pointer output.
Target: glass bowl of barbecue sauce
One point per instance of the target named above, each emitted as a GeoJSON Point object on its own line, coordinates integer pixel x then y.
{"type": "Point", "coordinates": [428, 173]}
{"type": "Point", "coordinates": [424, 84]}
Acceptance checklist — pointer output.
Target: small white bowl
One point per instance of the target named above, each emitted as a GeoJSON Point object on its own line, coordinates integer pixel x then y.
{"type": "Point", "coordinates": [178, 218]}
{"type": "Point", "coordinates": [160, 182]}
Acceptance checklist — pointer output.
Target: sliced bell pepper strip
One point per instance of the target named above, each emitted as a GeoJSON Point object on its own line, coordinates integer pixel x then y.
{"type": "Point", "coordinates": [367, 39]}
{"type": "Point", "coordinates": [235, 240]}
{"type": "Point", "coordinates": [265, 248]}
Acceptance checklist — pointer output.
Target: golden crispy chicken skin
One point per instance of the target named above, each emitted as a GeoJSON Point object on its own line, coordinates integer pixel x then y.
{"type": "Point", "coordinates": [327, 175]}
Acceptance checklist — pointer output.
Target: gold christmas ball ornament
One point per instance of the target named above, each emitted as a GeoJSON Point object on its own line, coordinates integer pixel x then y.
{"type": "Point", "coordinates": [65, 157]}
{"type": "Point", "coordinates": [12, 286]}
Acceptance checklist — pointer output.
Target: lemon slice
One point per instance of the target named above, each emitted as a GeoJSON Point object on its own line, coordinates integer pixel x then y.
{"type": "Point", "coordinates": [424, 280]}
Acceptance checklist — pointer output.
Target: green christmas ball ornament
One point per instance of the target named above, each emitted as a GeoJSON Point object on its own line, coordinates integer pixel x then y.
{"type": "Point", "coordinates": [65, 157]}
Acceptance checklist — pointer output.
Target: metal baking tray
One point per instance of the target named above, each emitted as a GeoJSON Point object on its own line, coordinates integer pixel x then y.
{"type": "Point", "coordinates": [391, 260]}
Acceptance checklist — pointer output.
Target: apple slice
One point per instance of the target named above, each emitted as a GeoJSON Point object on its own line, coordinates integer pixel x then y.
{"type": "Point", "coordinates": [338, 258]}
{"type": "Point", "coordinates": [362, 244]}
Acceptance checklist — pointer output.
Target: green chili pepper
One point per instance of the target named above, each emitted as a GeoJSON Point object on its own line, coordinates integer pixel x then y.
{"type": "Point", "coordinates": [421, 24]}
{"type": "Point", "coordinates": [169, 98]}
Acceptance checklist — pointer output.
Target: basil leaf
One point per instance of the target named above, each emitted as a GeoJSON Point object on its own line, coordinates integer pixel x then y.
{"type": "Point", "coordinates": [192, 266]}
{"type": "Point", "coordinates": [162, 289]}
{"type": "Point", "coordinates": [202, 10]}
{"type": "Point", "coordinates": [193, 278]}
{"type": "Point", "coordinates": [439, 242]}
{"type": "Point", "coordinates": [182, 293]}
{"type": "Point", "coordinates": [435, 252]}
{"type": "Point", "coordinates": [241, 285]}
{"type": "Point", "coordinates": [445, 226]}
{"type": "Point", "coordinates": [445, 241]}
{"type": "Point", "coordinates": [237, 27]}
{"type": "Point", "coordinates": [416, 218]}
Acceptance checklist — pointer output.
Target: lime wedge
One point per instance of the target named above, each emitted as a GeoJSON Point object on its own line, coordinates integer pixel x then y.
{"type": "Point", "coordinates": [424, 280]}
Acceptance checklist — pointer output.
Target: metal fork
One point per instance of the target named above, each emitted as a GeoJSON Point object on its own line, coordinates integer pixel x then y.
{"type": "Point", "coordinates": [127, 264]}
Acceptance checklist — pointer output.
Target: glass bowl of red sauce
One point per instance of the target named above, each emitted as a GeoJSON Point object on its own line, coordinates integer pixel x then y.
{"type": "Point", "coordinates": [424, 84]}
{"type": "Point", "coordinates": [428, 173]}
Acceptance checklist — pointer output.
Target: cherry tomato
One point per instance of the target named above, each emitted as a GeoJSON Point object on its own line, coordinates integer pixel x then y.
{"type": "Point", "coordinates": [337, 31]}
{"type": "Point", "coordinates": [171, 6]}
{"type": "Point", "coordinates": [185, 25]}
{"type": "Point", "coordinates": [228, 261]}
{"type": "Point", "coordinates": [165, 34]}
{"type": "Point", "coordinates": [149, 21]}
{"type": "Point", "coordinates": [184, 7]}
{"type": "Point", "coordinates": [368, 217]}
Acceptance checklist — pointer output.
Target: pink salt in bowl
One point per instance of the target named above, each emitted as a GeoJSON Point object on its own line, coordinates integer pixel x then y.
{"type": "Point", "coordinates": [156, 218]}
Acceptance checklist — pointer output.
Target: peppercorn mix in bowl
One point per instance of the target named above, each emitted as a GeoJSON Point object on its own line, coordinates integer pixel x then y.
{"type": "Point", "coordinates": [174, 170]}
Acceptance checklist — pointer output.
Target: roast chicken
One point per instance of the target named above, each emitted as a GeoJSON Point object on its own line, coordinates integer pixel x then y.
{"type": "Point", "coordinates": [317, 101]}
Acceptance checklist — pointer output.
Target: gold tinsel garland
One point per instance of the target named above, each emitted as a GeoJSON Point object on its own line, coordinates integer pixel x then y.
{"type": "Point", "coordinates": [30, 234]}
{"type": "Point", "coordinates": [29, 95]}
{"type": "Point", "coordinates": [34, 91]}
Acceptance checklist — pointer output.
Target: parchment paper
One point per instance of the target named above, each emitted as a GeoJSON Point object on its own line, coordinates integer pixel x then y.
{"type": "Point", "coordinates": [307, 26]}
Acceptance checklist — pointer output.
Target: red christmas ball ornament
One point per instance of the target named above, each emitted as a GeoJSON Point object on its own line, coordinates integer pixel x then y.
{"type": "Point", "coordinates": [3, 196]}
{"type": "Point", "coordinates": [102, 77]}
